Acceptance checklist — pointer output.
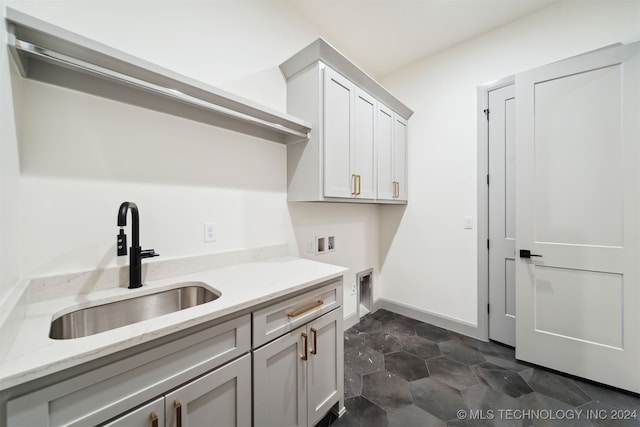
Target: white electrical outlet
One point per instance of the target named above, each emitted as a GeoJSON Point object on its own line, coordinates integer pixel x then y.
{"type": "Point", "coordinates": [354, 289]}
{"type": "Point", "coordinates": [210, 232]}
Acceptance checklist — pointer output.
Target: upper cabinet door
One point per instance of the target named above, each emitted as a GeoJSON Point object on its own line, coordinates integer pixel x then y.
{"type": "Point", "coordinates": [385, 131]}
{"type": "Point", "coordinates": [363, 152]}
{"type": "Point", "coordinates": [400, 157]}
{"type": "Point", "coordinates": [338, 113]}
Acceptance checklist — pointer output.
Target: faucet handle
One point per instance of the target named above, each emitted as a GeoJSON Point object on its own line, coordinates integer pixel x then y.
{"type": "Point", "coordinates": [121, 243]}
{"type": "Point", "coordinates": [148, 253]}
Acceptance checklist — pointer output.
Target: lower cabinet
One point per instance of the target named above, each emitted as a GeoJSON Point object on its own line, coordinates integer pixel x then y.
{"type": "Point", "coordinates": [204, 376]}
{"type": "Point", "coordinates": [207, 372]}
{"type": "Point", "coordinates": [149, 415]}
{"type": "Point", "coordinates": [298, 377]}
{"type": "Point", "coordinates": [221, 398]}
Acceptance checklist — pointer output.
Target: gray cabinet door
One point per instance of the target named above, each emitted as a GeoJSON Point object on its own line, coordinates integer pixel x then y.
{"type": "Point", "coordinates": [338, 135]}
{"type": "Point", "coordinates": [325, 384]}
{"type": "Point", "coordinates": [149, 415]}
{"type": "Point", "coordinates": [221, 398]}
{"type": "Point", "coordinates": [279, 382]}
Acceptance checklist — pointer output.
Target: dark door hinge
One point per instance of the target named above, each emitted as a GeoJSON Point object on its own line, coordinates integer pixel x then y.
{"type": "Point", "coordinates": [486, 113]}
{"type": "Point", "coordinates": [487, 243]}
{"type": "Point", "coordinates": [488, 309]}
{"type": "Point", "coordinates": [487, 179]}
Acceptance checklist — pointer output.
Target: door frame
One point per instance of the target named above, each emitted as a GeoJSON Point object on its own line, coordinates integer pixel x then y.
{"type": "Point", "coordinates": [483, 202]}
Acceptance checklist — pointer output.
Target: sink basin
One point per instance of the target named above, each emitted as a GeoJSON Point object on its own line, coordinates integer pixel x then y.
{"type": "Point", "coordinates": [100, 318]}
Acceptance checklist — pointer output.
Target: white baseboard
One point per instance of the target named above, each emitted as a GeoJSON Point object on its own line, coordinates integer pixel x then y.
{"type": "Point", "coordinates": [455, 325]}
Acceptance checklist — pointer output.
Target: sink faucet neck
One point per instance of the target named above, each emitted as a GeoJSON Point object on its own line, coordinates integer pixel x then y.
{"type": "Point", "coordinates": [135, 221]}
{"type": "Point", "coordinates": [136, 253]}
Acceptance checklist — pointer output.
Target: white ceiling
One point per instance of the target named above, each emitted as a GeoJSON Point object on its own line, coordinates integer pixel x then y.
{"type": "Point", "coordinates": [382, 36]}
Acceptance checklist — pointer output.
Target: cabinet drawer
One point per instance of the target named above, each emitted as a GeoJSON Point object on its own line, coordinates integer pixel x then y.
{"type": "Point", "coordinates": [280, 318]}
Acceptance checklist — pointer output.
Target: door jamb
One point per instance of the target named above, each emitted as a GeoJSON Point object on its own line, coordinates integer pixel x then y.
{"type": "Point", "coordinates": [483, 202]}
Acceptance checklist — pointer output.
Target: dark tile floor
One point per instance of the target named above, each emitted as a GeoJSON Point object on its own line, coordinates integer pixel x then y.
{"type": "Point", "coordinates": [402, 372]}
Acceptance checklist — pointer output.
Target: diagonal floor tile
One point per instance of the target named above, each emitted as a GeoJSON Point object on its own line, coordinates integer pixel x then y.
{"type": "Point", "coordinates": [545, 411]}
{"type": "Point", "coordinates": [384, 343]}
{"type": "Point", "coordinates": [363, 360]}
{"type": "Point", "coordinates": [460, 352]}
{"type": "Point", "coordinates": [603, 415]}
{"type": "Point", "coordinates": [386, 390]}
{"type": "Point", "coordinates": [451, 372]}
{"type": "Point", "coordinates": [501, 355]}
{"type": "Point", "coordinates": [420, 347]}
{"type": "Point", "coordinates": [610, 396]}
{"type": "Point", "coordinates": [353, 338]}
{"type": "Point", "coordinates": [556, 386]}
{"type": "Point", "coordinates": [397, 327]}
{"type": "Point", "coordinates": [352, 382]}
{"type": "Point", "coordinates": [485, 405]}
{"type": "Point", "coordinates": [367, 325]}
{"type": "Point", "coordinates": [383, 315]}
{"type": "Point", "coordinates": [432, 333]}
{"type": "Point", "coordinates": [437, 398]}
{"type": "Point", "coordinates": [405, 365]}
{"type": "Point", "coordinates": [413, 416]}
{"type": "Point", "coordinates": [502, 380]}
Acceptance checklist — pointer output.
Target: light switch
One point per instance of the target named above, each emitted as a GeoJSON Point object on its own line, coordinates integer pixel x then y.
{"type": "Point", "coordinates": [468, 223]}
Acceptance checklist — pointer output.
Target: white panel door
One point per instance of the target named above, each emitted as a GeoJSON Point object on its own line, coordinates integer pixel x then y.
{"type": "Point", "coordinates": [502, 233]}
{"type": "Point", "coordinates": [280, 381]}
{"type": "Point", "coordinates": [338, 114]}
{"type": "Point", "coordinates": [577, 204]}
{"type": "Point", "coordinates": [363, 153]}
{"type": "Point", "coordinates": [325, 365]}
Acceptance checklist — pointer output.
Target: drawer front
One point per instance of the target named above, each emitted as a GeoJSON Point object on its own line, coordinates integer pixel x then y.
{"type": "Point", "coordinates": [278, 319]}
{"type": "Point", "coordinates": [100, 395]}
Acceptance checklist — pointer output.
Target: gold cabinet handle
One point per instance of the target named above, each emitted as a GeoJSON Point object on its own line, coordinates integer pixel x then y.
{"type": "Point", "coordinates": [359, 184]}
{"type": "Point", "coordinates": [304, 310]}
{"type": "Point", "coordinates": [303, 356]}
{"type": "Point", "coordinates": [354, 180]}
{"type": "Point", "coordinates": [314, 350]}
{"type": "Point", "coordinates": [178, 407]}
{"type": "Point", "coordinates": [154, 419]}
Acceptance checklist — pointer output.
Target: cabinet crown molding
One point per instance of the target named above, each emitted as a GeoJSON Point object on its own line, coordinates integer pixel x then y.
{"type": "Point", "coordinates": [321, 50]}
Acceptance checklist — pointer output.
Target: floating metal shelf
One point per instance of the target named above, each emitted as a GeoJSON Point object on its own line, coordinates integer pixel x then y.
{"type": "Point", "coordinates": [37, 45]}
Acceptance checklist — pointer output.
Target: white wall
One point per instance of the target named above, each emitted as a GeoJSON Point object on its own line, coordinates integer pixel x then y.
{"type": "Point", "coordinates": [10, 202]}
{"type": "Point", "coordinates": [428, 259]}
{"type": "Point", "coordinates": [81, 155]}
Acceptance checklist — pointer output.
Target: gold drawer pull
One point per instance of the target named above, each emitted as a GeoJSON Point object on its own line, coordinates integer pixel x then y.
{"type": "Point", "coordinates": [314, 331]}
{"type": "Point", "coordinates": [354, 190]}
{"type": "Point", "coordinates": [303, 356]}
{"type": "Point", "coordinates": [178, 407]}
{"type": "Point", "coordinates": [154, 419]}
{"type": "Point", "coordinates": [304, 310]}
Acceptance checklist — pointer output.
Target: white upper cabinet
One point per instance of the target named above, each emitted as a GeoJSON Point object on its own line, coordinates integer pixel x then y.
{"type": "Point", "coordinates": [338, 135]}
{"type": "Point", "coordinates": [392, 155]}
{"type": "Point", "coordinates": [357, 147]}
{"type": "Point", "coordinates": [363, 147]}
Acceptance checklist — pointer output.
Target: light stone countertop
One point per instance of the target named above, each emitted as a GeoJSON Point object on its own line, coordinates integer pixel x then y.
{"type": "Point", "coordinates": [32, 354]}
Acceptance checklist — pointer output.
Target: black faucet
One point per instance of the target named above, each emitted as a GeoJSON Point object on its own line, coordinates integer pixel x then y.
{"type": "Point", "coordinates": [136, 253]}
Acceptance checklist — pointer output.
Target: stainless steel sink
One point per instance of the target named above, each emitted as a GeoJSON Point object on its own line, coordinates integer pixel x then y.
{"type": "Point", "coordinates": [100, 318]}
